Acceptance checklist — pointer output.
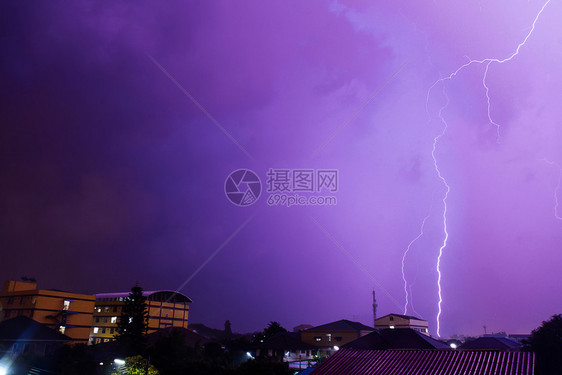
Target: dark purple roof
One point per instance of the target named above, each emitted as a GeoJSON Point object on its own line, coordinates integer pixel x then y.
{"type": "Point", "coordinates": [423, 362]}
{"type": "Point", "coordinates": [342, 325]}
{"type": "Point", "coordinates": [399, 338]}
{"type": "Point", "coordinates": [491, 343]}
{"type": "Point", "coordinates": [23, 328]}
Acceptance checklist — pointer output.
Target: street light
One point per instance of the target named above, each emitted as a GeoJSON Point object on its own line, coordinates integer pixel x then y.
{"type": "Point", "coordinates": [117, 361]}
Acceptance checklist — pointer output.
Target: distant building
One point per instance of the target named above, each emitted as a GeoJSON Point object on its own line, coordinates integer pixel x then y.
{"type": "Point", "coordinates": [302, 327]}
{"type": "Point", "coordinates": [288, 347]}
{"type": "Point", "coordinates": [402, 321]}
{"type": "Point", "coordinates": [165, 309]}
{"type": "Point", "coordinates": [69, 313]}
{"type": "Point", "coordinates": [330, 337]}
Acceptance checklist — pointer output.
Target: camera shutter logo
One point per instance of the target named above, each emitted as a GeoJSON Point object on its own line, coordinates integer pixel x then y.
{"type": "Point", "coordinates": [242, 187]}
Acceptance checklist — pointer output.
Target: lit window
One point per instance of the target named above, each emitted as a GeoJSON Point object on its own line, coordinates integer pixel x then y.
{"type": "Point", "coordinates": [62, 329]}
{"type": "Point", "coordinates": [391, 327]}
{"type": "Point", "coordinates": [329, 337]}
{"type": "Point", "coordinates": [96, 329]}
{"type": "Point", "coordinates": [318, 339]}
{"type": "Point", "coordinates": [106, 309]}
{"type": "Point", "coordinates": [66, 305]}
{"type": "Point", "coordinates": [113, 319]}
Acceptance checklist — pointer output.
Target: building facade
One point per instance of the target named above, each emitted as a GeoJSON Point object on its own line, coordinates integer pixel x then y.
{"type": "Point", "coordinates": [165, 309]}
{"type": "Point", "coordinates": [330, 337]}
{"type": "Point", "coordinates": [69, 313]}
{"type": "Point", "coordinates": [402, 321]}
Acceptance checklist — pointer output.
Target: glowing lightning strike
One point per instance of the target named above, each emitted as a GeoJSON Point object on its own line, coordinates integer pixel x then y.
{"type": "Point", "coordinates": [404, 261]}
{"type": "Point", "coordinates": [488, 62]}
{"type": "Point", "coordinates": [444, 200]}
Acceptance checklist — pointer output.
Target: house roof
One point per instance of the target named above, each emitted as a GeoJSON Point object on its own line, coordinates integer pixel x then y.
{"type": "Point", "coordinates": [23, 328]}
{"type": "Point", "coordinates": [286, 341]}
{"type": "Point", "coordinates": [409, 317]}
{"type": "Point", "coordinates": [422, 362]}
{"type": "Point", "coordinates": [399, 338]}
{"type": "Point", "coordinates": [152, 295]}
{"type": "Point", "coordinates": [342, 325]}
{"type": "Point", "coordinates": [491, 343]}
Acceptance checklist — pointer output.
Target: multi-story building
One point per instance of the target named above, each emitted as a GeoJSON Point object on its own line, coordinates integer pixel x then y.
{"type": "Point", "coordinates": [330, 337]}
{"type": "Point", "coordinates": [68, 313]}
{"type": "Point", "coordinates": [402, 321]}
{"type": "Point", "coordinates": [165, 309]}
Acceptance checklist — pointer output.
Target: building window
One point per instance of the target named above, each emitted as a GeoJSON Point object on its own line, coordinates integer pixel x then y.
{"type": "Point", "coordinates": [10, 300]}
{"type": "Point", "coordinates": [97, 319]}
{"type": "Point", "coordinates": [106, 309]}
{"type": "Point", "coordinates": [338, 338]}
{"type": "Point", "coordinates": [113, 319]}
{"type": "Point", "coordinates": [391, 327]}
{"type": "Point", "coordinates": [62, 329]}
{"type": "Point", "coordinates": [105, 320]}
{"type": "Point", "coordinates": [7, 314]}
{"type": "Point", "coordinates": [103, 330]}
{"type": "Point", "coordinates": [329, 337]}
{"type": "Point", "coordinates": [98, 309]}
{"type": "Point", "coordinates": [96, 329]}
{"type": "Point", "coordinates": [111, 330]}
{"type": "Point", "coordinates": [318, 339]}
{"type": "Point", "coordinates": [391, 318]}
{"type": "Point", "coordinates": [66, 304]}
{"type": "Point", "coordinates": [21, 300]}
{"type": "Point", "coordinates": [114, 308]}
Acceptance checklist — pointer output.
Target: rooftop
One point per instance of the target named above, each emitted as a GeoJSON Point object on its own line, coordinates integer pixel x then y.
{"type": "Point", "coordinates": [342, 325]}
{"type": "Point", "coordinates": [422, 362]}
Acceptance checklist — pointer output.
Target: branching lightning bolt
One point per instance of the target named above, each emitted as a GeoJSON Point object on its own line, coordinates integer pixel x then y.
{"type": "Point", "coordinates": [557, 189]}
{"type": "Point", "coordinates": [444, 200]}
{"type": "Point", "coordinates": [488, 62]}
{"type": "Point", "coordinates": [404, 263]}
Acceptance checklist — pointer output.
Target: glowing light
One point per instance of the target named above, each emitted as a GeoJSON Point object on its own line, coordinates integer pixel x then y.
{"type": "Point", "coordinates": [404, 263]}
{"type": "Point", "coordinates": [3, 370]}
{"type": "Point", "coordinates": [453, 345]}
{"type": "Point", "coordinates": [488, 62]}
{"type": "Point", "coordinates": [119, 362]}
{"type": "Point", "coordinates": [336, 348]}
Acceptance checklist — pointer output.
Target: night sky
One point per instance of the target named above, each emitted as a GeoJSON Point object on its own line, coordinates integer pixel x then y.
{"type": "Point", "coordinates": [121, 122]}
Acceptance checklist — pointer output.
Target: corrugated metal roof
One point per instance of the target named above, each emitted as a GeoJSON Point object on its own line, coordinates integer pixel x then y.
{"type": "Point", "coordinates": [426, 362]}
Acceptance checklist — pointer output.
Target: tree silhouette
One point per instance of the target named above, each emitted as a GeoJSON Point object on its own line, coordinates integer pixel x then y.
{"type": "Point", "coordinates": [546, 342]}
{"type": "Point", "coordinates": [133, 323]}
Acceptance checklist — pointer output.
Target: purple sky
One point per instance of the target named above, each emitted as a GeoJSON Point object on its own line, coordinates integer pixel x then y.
{"type": "Point", "coordinates": [111, 174]}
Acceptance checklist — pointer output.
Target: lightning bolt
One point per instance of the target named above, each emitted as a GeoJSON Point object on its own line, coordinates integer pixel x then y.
{"type": "Point", "coordinates": [488, 62]}
{"type": "Point", "coordinates": [404, 264]}
{"type": "Point", "coordinates": [557, 189]}
{"type": "Point", "coordinates": [444, 200]}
